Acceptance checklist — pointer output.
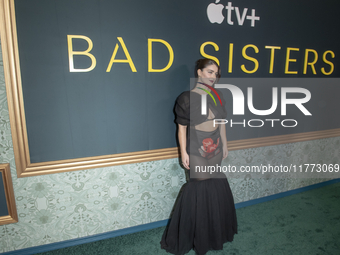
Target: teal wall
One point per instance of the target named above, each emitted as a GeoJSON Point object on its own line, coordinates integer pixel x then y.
{"type": "Point", "coordinates": [64, 206]}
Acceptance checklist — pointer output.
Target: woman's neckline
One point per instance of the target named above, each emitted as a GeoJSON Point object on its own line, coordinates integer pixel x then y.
{"type": "Point", "coordinates": [197, 92]}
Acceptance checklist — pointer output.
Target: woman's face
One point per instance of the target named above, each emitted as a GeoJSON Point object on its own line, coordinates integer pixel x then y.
{"type": "Point", "coordinates": [208, 75]}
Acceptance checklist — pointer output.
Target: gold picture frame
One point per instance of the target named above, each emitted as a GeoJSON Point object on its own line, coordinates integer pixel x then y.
{"type": "Point", "coordinates": [12, 216]}
{"type": "Point", "coordinates": [18, 123]}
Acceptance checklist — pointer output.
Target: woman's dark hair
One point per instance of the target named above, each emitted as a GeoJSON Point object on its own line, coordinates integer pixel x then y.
{"type": "Point", "coordinates": [203, 63]}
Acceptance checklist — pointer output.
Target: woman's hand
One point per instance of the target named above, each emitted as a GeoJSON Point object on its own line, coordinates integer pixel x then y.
{"type": "Point", "coordinates": [185, 160]}
{"type": "Point", "coordinates": [224, 141]}
{"type": "Point", "coordinates": [182, 138]}
{"type": "Point", "coordinates": [225, 152]}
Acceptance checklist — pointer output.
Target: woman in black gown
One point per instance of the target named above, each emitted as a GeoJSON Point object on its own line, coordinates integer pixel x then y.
{"type": "Point", "coordinates": [204, 216]}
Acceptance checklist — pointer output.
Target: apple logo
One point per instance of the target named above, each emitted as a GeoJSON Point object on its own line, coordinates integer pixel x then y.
{"type": "Point", "coordinates": [214, 12]}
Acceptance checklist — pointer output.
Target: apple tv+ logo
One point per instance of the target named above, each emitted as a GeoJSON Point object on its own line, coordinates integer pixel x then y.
{"type": "Point", "coordinates": [214, 12]}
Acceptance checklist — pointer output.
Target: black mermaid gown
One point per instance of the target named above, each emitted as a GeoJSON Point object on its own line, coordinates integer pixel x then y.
{"type": "Point", "coordinates": [204, 215]}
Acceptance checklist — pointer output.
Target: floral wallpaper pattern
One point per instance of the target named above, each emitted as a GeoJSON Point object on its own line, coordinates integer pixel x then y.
{"type": "Point", "coordinates": [64, 206]}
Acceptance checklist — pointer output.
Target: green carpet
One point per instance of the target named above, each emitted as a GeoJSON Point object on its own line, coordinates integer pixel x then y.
{"type": "Point", "coordinates": [305, 223]}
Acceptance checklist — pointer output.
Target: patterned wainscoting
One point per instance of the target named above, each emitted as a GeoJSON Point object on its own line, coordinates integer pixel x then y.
{"type": "Point", "coordinates": [65, 206]}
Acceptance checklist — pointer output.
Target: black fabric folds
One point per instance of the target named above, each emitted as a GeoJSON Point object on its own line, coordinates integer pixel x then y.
{"type": "Point", "coordinates": [204, 218]}
{"type": "Point", "coordinates": [182, 109]}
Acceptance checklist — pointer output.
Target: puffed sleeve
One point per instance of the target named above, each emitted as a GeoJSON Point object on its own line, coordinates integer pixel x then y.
{"type": "Point", "coordinates": [182, 109]}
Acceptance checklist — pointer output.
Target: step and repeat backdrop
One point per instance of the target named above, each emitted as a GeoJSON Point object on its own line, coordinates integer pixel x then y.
{"type": "Point", "coordinates": [101, 77]}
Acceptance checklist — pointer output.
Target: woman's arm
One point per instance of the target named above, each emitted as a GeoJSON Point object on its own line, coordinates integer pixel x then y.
{"type": "Point", "coordinates": [182, 138]}
{"type": "Point", "coordinates": [223, 134]}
